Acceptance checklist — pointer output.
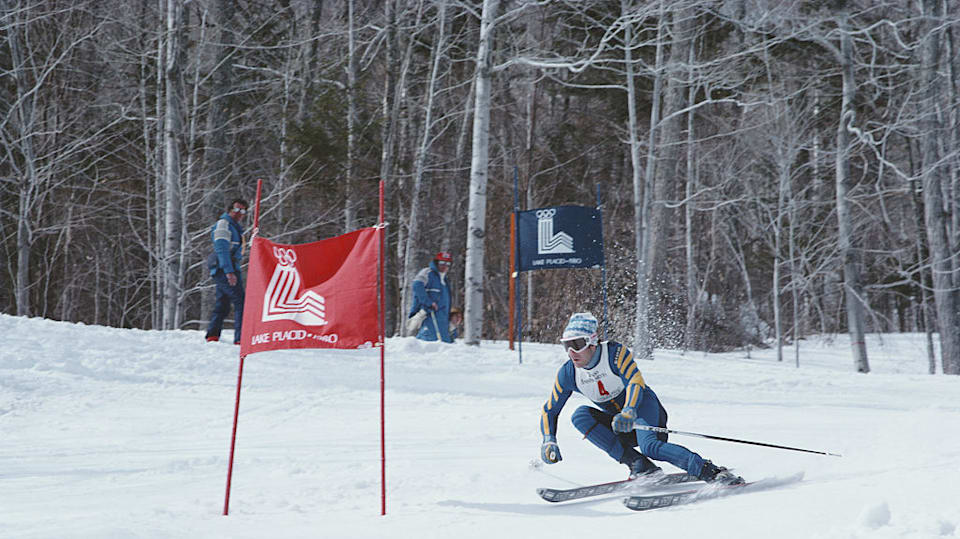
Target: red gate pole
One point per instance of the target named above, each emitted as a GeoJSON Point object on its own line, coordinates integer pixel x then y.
{"type": "Point", "coordinates": [233, 441]}
{"type": "Point", "coordinates": [236, 406]}
{"type": "Point", "coordinates": [383, 347]}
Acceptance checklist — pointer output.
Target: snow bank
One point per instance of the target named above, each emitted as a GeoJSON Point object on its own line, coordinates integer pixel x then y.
{"type": "Point", "coordinates": [124, 433]}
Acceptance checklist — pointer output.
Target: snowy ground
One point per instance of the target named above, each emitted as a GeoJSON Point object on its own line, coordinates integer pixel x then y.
{"type": "Point", "coordinates": [110, 433]}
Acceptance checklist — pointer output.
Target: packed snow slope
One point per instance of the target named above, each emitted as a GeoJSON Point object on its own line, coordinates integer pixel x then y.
{"type": "Point", "coordinates": [114, 433]}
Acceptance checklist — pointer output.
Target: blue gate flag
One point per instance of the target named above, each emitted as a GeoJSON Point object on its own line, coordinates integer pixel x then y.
{"type": "Point", "coordinates": [559, 237]}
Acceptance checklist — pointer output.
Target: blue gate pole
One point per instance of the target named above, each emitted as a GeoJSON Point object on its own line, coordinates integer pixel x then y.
{"type": "Point", "coordinates": [603, 267]}
{"type": "Point", "coordinates": [516, 247]}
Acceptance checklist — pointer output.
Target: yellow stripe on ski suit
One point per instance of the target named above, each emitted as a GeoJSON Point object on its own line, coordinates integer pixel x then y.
{"type": "Point", "coordinates": [554, 397]}
{"type": "Point", "coordinates": [635, 385]}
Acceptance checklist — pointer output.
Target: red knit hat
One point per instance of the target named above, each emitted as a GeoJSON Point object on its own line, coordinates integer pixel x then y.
{"type": "Point", "coordinates": [444, 256]}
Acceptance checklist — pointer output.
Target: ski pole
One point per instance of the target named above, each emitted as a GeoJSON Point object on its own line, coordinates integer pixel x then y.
{"type": "Point", "coordinates": [723, 439]}
{"type": "Point", "coordinates": [436, 327]}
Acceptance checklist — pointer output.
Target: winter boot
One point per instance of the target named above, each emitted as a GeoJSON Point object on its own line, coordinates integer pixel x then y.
{"type": "Point", "coordinates": [718, 474]}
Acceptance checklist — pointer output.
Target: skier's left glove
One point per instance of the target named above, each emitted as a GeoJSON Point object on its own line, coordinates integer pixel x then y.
{"type": "Point", "coordinates": [623, 422]}
{"type": "Point", "coordinates": [550, 451]}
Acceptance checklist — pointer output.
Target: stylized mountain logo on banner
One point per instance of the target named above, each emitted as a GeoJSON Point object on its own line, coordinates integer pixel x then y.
{"type": "Point", "coordinates": [283, 299]}
{"type": "Point", "coordinates": [559, 237]}
{"type": "Point", "coordinates": [547, 241]}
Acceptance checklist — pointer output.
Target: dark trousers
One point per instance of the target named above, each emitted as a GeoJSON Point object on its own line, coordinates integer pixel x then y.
{"type": "Point", "coordinates": [226, 295]}
{"type": "Point", "coordinates": [594, 424]}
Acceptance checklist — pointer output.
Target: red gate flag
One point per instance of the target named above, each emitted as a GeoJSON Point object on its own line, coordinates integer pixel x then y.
{"type": "Point", "coordinates": [325, 294]}
{"type": "Point", "coordinates": [312, 295]}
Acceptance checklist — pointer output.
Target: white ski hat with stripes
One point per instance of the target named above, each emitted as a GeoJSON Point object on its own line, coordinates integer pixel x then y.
{"type": "Point", "coordinates": [581, 325]}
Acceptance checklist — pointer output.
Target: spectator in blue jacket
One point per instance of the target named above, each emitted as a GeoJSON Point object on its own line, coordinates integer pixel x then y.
{"type": "Point", "coordinates": [431, 301]}
{"type": "Point", "coordinates": [224, 266]}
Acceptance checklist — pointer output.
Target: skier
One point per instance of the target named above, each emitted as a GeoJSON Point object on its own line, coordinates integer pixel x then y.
{"type": "Point", "coordinates": [606, 374]}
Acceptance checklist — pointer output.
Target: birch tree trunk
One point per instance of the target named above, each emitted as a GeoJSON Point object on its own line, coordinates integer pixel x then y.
{"type": "Point", "coordinates": [669, 158]}
{"type": "Point", "coordinates": [848, 253]}
{"type": "Point", "coordinates": [643, 185]}
{"type": "Point", "coordinates": [387, 137]}
{"type": "Point", "coordinates": [350, 206]}
{"type": "Point", "coordinates": [936, 218]}
{"type": "Point", "coordinates": [794, 277]}
{"type": "Point", "coordinates": [529, 132]}
{"type": "Point", "coordinates": [23, 116]}
{"type": "Point", "coordinates": [156, 211]}
{"type": "Point", "coordinates": [476, 212]}
{"type": "Point", "coordinates": [171, 139]}
{"type": "Point", "coordinates": [925, 309]}
{"type": "Point", "coordinates": [951, 119]}
{"type": "Point", "coordinates": [784, 186]}
{"type": "Point", "coordinates": [693, 289]}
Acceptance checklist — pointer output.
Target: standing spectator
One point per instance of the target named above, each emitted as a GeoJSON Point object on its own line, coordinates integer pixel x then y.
{"type": "Point", "coordinates": [224, 265]}
{"type": "Point", "coordinates": [431, 301]}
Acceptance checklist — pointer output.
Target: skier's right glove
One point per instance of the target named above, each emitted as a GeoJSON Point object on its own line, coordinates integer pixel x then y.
{"type": "Point", "coordinates": [623, 422]}
{"type": "Point", "coordinates": [550, 451]}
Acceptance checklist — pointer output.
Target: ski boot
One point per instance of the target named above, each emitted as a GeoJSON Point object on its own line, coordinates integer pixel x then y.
{"type": "Point", "coordinates": [718, 474]}
{"type": "Point", "coordinates": [642, 467]}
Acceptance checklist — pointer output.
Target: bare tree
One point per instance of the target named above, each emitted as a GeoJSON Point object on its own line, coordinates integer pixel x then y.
{"type": "Point", "coordinates": [476, 217]}
{"type": "Point", "coordinates": [350, 205]}
{"type": "Point", "coordinates": [388, 127]}
{"type": "Point", "coordinates": [849, 253]}
{"type": "Point", "coordinates": [172, 138]}
{"type": "Point", "coordinates": [41, 157]}
{"type": "Point", "coordinates": [643, 190]}
{"type": "Point", "coordinates": [937, 221]}
{"type": "Point", "coordinates": [427, 136]}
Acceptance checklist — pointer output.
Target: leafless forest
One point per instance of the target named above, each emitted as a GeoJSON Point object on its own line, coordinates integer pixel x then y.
{"type": "Point", "coordinates": [767, 169]}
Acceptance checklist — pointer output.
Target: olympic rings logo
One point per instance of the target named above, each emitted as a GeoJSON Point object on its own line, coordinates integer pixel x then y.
{"type": "Point", "coordinates": [546, 214]}
{"type": "Point", "coordinates": [285, 257]}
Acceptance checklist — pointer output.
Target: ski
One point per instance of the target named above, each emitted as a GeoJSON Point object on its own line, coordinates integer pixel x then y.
{"type": "Point", "coordinates": [565, 495]}
{"type": "Point", "coordinates": [710, 491]}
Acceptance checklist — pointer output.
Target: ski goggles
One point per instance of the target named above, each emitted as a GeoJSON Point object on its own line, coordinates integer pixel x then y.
{"type": "Point", "coordinates": [577, 345]}
{"type": "Point", "coordinates": [241, 211]}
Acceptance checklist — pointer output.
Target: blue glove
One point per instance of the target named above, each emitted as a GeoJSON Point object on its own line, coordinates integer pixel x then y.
{"type": "Point", "coordinates": [623, 422]}
{"type": "Point", "coordinates": [550, 451]}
